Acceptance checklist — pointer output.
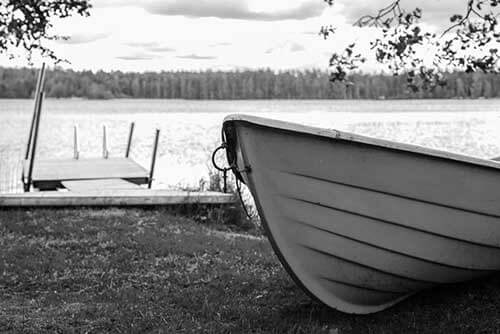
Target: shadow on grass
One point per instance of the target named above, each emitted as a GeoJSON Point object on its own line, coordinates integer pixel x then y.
{"type": "Point", "coordinates": [134, 270]}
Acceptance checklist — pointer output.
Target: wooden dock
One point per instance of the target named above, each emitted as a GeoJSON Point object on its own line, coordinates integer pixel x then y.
{"type": "Point", "coordinates": [105, 181]}
{"type": "Point", "coordinates": [52, 174]}
{"type": "Point", "coordinates": [91, 185]}
{"type": "Point", "coordinates": [77, 173]}
{"type": "Point", "coordinates": [114, 197]}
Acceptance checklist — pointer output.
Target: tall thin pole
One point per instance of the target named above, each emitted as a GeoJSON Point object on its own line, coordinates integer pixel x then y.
{"type": "Point", "coordinates": [129, 143]}
{"type": "Point", "coordinates": [40, 80]}
{"type": "Point", "coordinates": [76, 148]}
{"type": "Point", "coordinates": [105, 153]}
{"type": "Point", "coordinates": [153, 160]}
{"type": "Point", "coordinates": [35, 138]}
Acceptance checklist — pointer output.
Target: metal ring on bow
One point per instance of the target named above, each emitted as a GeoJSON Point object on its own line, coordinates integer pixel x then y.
{"type": "Point", "coordinates": [222, 146]}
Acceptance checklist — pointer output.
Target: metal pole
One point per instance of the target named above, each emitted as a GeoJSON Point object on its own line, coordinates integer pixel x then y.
{"type": "Point", "coordinates": [153, 160]}
{"type": "Point", "coordinates": [76, 148]}
{"type": "Point", "coordinates": [225, 180]}
{"type": "Point", "coordinates": [35, 138]}
{"type": "Point", "coordinates": [129, 143]}
{"type": "Point", "coordinates": [41, 78]}
{"type": "Point", "coordinates": [105, 152]}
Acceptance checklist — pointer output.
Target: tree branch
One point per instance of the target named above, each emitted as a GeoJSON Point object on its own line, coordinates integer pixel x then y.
{"type": "Point", "coordinates": [477, 31]}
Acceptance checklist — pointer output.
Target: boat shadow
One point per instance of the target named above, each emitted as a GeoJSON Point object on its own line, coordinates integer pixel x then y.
{"type": "Point", "coordinates": [463, 307]}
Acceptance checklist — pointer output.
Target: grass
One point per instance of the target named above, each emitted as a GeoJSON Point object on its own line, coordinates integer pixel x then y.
{"type": "Point", "coordinates": [135, 270]}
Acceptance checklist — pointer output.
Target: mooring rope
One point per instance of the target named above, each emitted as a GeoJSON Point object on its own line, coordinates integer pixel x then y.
{"type": "Point", "coordinates": [235, 169]}
{"type": "Point", "coordinates": [224, 170]}
{"type": "Point", "coordinates": [238, 189]}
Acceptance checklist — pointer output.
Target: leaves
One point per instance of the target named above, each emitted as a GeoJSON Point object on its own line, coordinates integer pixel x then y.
{"type": "Point", "coordinates": [326, 31]}
{"type": "Point", "coordinates": [469, 44]}
{"type": "Point", "coordinates": [348, 60]}
{"type": "Point", "coordinates": [26, 24]}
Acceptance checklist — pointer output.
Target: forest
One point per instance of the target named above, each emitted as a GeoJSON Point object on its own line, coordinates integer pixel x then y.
{"type": "Point", "coordinates": [240, 84]}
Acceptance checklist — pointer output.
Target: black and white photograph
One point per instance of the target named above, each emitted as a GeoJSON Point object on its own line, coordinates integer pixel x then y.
{"type": "Point", "coordinates": [250, 166]}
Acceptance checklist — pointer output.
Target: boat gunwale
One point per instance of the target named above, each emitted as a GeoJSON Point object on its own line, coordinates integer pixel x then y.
{"type": "Point", "coordinates": [356, 138]}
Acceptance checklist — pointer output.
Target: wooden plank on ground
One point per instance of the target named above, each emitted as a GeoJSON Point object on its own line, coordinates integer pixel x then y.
{"type": "Point", "coordinates": [114, 197]}
{"type": "Point", "coordinates": [91, 185]}
{"type": "Point", "coordinates": [85, 169]}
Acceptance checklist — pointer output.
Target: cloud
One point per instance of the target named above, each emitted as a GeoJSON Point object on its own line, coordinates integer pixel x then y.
{"type": "Point", "coordinates": [196, 57]}
{"type": "Point", "coordinates": [138, 56]}
{"type": "Point", "coordinates": [151, 46]}
{"type": "Point", "coordinates": [161, 49]}
{"type": "Point", "coordinates": [82, 38]}
{"type": "Point", "coordinates": [312, 33]}
{"type": "Point", "coordinates": [220, 44]}
{"type": "Point", "coordinates": [224, 9]}
{"type": "Point", "coordinates": [295, 47]}
{"type": "Point", "coordinates": [286, 47]}
{"type": "Point", "coordinates": [142, 44]}
{"type": "Point", "coordinates": [114, 3]}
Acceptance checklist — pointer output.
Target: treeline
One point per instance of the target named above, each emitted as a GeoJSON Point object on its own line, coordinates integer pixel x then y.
{"type": "Point", "coordinates": [257, 84]}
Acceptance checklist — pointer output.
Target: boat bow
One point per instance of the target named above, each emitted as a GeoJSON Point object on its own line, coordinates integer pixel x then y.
{"type": "Point", "coordinates": [362, 223]}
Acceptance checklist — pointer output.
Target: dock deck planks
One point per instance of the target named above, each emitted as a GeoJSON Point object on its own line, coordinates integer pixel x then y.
{"type": "Point", "coordinates": [113, 197]}
{"type": "Point", "coordinates": [85, 169]}
{"type": "Point", "coordinates": [90, 185]}
{"type": "Point", "coordinates": [50, 174]}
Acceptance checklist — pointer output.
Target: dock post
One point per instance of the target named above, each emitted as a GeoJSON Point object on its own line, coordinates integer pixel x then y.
{"type": "Point", "coordinates": [105, 153]}
{"type": "Point", "coordinates": [153, 160]}
{"type": "Point", "coordinates": [224, 176]}
{"type": "Point", "coordinates": [27, 185]}
{"type": "Point", "coordinates": [76, 148]}
{"type": "Point", "coordinates": [39, 82]}
{"type": "Point", "coordinates": [129, 142]}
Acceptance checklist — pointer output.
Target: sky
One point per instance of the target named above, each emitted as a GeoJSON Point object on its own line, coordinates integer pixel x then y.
{"type": "Point", "coordinates": [156, 35]}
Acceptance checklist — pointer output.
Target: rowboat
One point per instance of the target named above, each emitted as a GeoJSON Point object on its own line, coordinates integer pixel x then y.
{"type": "Point", "coordinates": [363, 223]}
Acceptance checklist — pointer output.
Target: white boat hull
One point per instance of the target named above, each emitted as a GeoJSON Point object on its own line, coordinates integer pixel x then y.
{"type": "Point", "coordinates": [361, 223]}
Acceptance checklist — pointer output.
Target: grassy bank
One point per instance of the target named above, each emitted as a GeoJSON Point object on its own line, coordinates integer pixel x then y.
{"type": "Point", "coordinates": [133, 270]}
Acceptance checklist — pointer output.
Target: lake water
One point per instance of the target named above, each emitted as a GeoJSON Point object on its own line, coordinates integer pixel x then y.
{"type": "Point", "coordinates": [190, 130]}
